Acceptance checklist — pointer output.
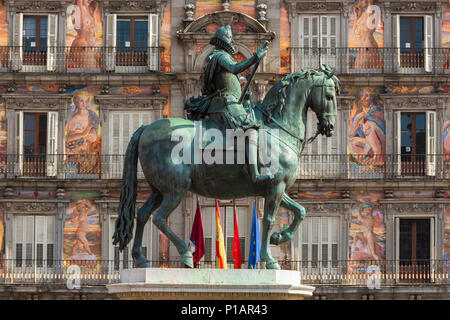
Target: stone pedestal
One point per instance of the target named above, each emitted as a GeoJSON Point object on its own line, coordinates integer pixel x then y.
{"type": "Point", "coordinates": [209, 284]}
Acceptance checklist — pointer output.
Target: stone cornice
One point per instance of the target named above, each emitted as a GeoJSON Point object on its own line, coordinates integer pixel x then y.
{"type": "Point", "coordinates": [296, 7]}
{"type": "Point", "coordinates": [413, 6]}
{"type": "Point", "coordinates": [131, 102]}
{"type": "Point", "coordinates": [154, 6]}
{"type": "Point", "coordinates": [49, 6]}
{"type": "Point", "coordinates": [413, 101]}
{"type": "Point", "coordinates": [37, 101]}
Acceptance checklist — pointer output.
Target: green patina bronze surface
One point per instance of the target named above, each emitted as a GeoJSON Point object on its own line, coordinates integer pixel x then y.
{"type": "Point", "coordinates": [284, 108]}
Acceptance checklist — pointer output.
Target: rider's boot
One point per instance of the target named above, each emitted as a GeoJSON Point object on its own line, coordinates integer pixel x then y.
{"type": "Point", "coordinates": [252, 158]}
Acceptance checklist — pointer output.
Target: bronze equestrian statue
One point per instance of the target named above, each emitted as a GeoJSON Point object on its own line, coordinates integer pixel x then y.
{"type": "Point", "coordinates": [284, 108]}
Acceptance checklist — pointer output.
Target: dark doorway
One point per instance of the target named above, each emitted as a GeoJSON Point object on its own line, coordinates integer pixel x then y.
{"type": "Point", "coordinates": [411, 42]}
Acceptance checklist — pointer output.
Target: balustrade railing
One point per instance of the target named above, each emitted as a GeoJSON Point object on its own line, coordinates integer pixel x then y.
{"type": "Point", "coordinates": [81, 59]}
{"type": "Point", "coordinates": [373, 60]}
{"type": "Point", "coordinates": [311, 166]}
{"type": "Point", "coordinates": [343, 272]}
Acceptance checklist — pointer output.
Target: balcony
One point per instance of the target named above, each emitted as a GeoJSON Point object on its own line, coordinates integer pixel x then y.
{"type": "Point", "coordinates": [373, 60]}
{"type": "Point", "coordinates": [321, 166]}
{"type": "Point", "coordinates": [338, 272]}
{"type": "Point", "coordinates": [81, 59]}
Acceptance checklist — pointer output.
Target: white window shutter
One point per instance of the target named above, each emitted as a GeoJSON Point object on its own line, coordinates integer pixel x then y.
{"type": "Point", "coordinates": [110, 54]}
{"type": "Point", "coordinates": [432, 249]}
{"type": "Point", "coordinates": [153, 42]}
{"type": "Point", "coordinates": [52, 31]}
{"type": "Point", "coordinates": [16, 53]}
{"type": "Point", "coordinates": [19, 143]}
{"type": "Point", "coordinates": [431, 143]}
{"type": "Point", "coordinates": [396, 42]}
{"type": "Point", "coordinates": [397, 143]}
{"type": "Point", "coordinates": [52, 143]}
{"type": "Point", "coordinates": [428, 43]}
{"type": "Point", "coordinates": [397, 247]}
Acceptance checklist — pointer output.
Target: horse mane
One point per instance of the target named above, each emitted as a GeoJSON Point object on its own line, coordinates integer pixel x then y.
{"type": "Point", "coordinates": [277, 105]}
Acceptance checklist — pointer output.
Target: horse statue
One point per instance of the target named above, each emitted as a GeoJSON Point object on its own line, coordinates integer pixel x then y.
{"type": "Point", "coordinates": [284, 108]}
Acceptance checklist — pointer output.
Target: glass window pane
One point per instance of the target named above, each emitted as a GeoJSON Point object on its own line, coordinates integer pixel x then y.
{"type": "Point", "coordinates": [141, 34]}
{"type": "Point", "coordinates": [29, 34]}
{"type": "Point", "coordinates": [123, 34]}
{"type": "Point", "coordinates": [43, 34]}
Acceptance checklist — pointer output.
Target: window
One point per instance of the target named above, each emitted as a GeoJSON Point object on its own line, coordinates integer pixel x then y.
{"type": "Point", "coordinates": [416, 143]}
{"type": "Point", "coordinates": [413, 39]}
{"type": "Point", "coordinates": [132, 43]}
{"type": "Point", "coordinates": [320, 157]}
{"type": "Point", "coordinates": [318, 41]}
{"type": "Point", "coordinates": [34, 241]}
{"type": "Point", "coordinates": [124, 260]}
{"type": "Point", "coordinates": [36, 143]}
{"type": "Point", "coordinates": [122, 125]}
{"type": "Point", "coordinates": [34, 42]}
{"type": "Point", "coordinates": [319, 246]}
{"type": "Point", "coordinates": [415, 248]}
{"type": "Point", "coordinates": [227, 219]}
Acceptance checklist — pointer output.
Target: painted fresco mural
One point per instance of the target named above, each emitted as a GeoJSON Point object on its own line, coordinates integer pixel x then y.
{"type": "Point", "coordinates": [2, 236]}
{"type": "Point", "coordinates": [3, 35]}
{"type": "Point", "coordinates": [446, 35]}
{"type": "Point", "coordinates": [82, 230]}
{"type": "Point", "coordinates": [365, 35]}
{"type": "Point", "coordinates": [84, 33]}
{"type": "Point", "coordinates": [165, 42]}
{"type": "Point", "coordinates": [413, 90]}
{"type": "Point", "coordinates": [320, 194]}
{"type": "Point", "coordinates": [367, 232]}
{"type": "Point", "coordinates": [244, 6]}
{"type": "Point", "coordinates": [82, 133]}
{"type": "Point", "coordinates": [367, 131]}
{"type": "Point", "coordinates": [285, 39]}
{"type": "Point", "coordinates": [446, 131]}
{"type": "Point", "coordinates": [209, 6]}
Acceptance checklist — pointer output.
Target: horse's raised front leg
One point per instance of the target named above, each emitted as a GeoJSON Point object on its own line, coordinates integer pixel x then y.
{"type": "Point", "coordinates": [299, 214]}
{"type": "Point", "coordinates": [169, 203]}
{"type": "Point", "coordinates": [144, 212]}
{"type": "Point", "coordinates": [271, 205]}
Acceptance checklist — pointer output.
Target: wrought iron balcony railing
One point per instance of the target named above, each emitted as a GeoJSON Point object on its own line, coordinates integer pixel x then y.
{"type": "Point", "coordinates": [342, 272]}
{"type": "Point", "coordinates": [318, 166]}
{"type": "Point", "coordinates": [81, 59]}
{"type": "Point", "coordinates": [373, 60]}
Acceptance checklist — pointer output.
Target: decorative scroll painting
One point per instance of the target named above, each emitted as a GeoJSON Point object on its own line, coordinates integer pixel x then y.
{"type": "Point", "coordinates": [165, 41]}
{"type": "Point", "coordinates": [320, 194]}
{"type": "Point", "coordinates": [367, 232]}
{"type": "Point", "coordinates": [82, 230]}
{"type": "Point", "coordinates": [285, 248]}
{"type": "Point", "coordinates": [285, 40]}
{"type": "Point", "coordinates": [446, 133]}
{"type": "Point", "coordinates": [413, 90]}
{"type": "Point", "coordinates": [84, 35]}
{"type": "Point", "coordinates": [82, 133]}
{"type": "Point", "coordinates": [365, 35]}
{"type": "Point", "coordinates": [367, 133]}
{"type": "Point", "coordinates": [3, 139]}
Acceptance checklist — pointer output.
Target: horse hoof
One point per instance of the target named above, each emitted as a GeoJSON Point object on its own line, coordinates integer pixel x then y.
{"type": "Point", "coordinates": [273, 265]}
{"type": "Point", "coordinates": [143, 264]}
{"type": "Point", "coordinates": [187, 259]}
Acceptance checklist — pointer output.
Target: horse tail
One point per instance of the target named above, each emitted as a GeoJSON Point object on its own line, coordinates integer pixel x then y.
{"type": "Point", "coordinates": [125, 221]}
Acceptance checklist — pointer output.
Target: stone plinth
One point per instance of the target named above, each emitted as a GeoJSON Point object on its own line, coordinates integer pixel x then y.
{"type": "Point", "coordinates": [209, 284]}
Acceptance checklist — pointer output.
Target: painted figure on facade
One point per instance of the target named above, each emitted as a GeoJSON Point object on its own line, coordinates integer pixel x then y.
{"type": "Point", "coordinates": [82, 132]}
{"type": "Point", "coordinates": [446, 136]}
{"type": "Point", "coordinates": [222, 86]}
{"type": "Point", "coordinates": [82, 54]}
{"type": "Point", "coordinates": [366, 15]}
{"type": "Point", "coordinates": [365, 244]}
{"type": "Point", "coordinates": [367, 130]}
{"type": "Point", "coordinates": [80, 218]}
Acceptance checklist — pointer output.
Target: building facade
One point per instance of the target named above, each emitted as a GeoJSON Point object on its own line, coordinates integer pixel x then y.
{"type": "Point", "coordinates": [79, 77]}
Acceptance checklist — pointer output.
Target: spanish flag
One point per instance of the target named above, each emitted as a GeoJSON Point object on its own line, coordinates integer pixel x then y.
{"type": "Point", "coordinates": [221, 255]}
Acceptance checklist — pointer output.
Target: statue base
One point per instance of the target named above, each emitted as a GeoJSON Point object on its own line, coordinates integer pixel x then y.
{"type": "Point", "coordinates": [209, 284]}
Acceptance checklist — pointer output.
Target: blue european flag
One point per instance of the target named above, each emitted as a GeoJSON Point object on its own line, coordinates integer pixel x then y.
{"type": "Point", "coordinates": [255, 242]}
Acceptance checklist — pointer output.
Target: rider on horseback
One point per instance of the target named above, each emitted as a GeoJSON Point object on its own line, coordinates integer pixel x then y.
{"type": "Point", "coordinates": [222, 91]}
